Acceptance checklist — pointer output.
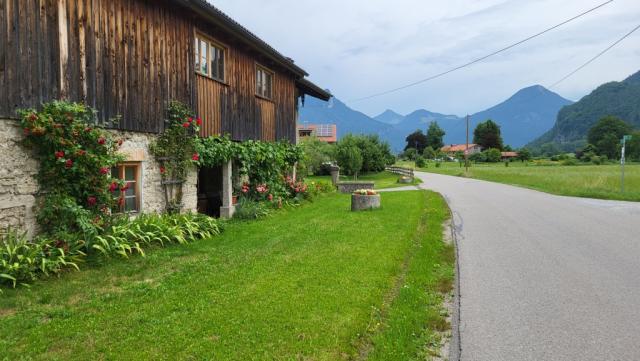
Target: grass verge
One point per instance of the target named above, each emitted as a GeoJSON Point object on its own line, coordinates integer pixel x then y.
{"type": "Point", "coordinates": [381, 180]}
{"type": "Point", "coordinates": [590, 181]}
{"type": "Point", "coordinates": [299, 285]}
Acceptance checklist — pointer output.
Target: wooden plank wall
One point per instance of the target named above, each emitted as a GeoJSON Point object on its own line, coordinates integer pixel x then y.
{"type": "Point", "coordinates": [28, 54]}
{"type": "Point", "coordinates": [128, 58]}
{"type": "Point", "coordinates": [233, 107]}
{"type": "Point", "coordinates": [125, 58]}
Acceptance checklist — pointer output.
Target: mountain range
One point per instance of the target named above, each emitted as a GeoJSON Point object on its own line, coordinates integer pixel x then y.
{"type": "Point", "coordinates": [523, 117]}
{"type": "Point", "coordinates": [620, 99]}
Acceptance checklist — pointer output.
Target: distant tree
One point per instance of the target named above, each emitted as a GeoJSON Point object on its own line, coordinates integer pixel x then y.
{"type": "Point", "coordinates": [376, 154]}
{"type": "Point", "coordinates": [435, 136]}
{"type": "Point", "coordinates": [477, 157]}
{"type": "Point", "coordinates": [606, 136]}
{"type": "Point", "coordinates": [524, 155]}
{"type": "Point", "coordinates": [492, 155]}
{"type": "Point", "coordinates": [410, 154]}
{"type": "Point", "coordinates": [507, 148]}
{"type": "Point", "coordinates": [429, 153]}
{"type": "Point", "coordinates": [487, 135]}
{"type": "Point", "coordinates": [316, 153]}
{"type": "Point", "coordinates": [459, 155]}
{"type": "Point", "coordinates": [417, 140]}
{"type": "Point", "coordinates": [633, 147]}
{"type": "Point", "coordinates": [349, 157]}
{"type": "Point", "coordinates": [420, 162]}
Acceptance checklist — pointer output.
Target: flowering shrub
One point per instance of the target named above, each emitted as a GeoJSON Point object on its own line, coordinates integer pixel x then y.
{"type": "Point", "coordinates": [75, 156]}
{"type": "Point", "coordinates": [176, 150]}
{"type": "Point", "coordinates": [365, 192]}
{"type": "Point", "coordinates": [265, 164]}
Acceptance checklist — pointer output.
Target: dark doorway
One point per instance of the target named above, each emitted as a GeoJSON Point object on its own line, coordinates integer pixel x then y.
{"type": "Point", "coordinates": [210, 191]}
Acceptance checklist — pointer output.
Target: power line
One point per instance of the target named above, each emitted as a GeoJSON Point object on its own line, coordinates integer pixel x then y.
{"type": "Point", "coordinates": [484, 57]}
{"type": "Point", "coordinates": [596, 57]}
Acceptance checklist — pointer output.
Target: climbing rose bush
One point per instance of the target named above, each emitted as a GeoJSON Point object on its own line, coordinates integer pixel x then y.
{"type": "Point", "coordinates": [76, 156]}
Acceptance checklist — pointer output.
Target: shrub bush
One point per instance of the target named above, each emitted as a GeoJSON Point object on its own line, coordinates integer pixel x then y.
{"type": "Point", "coordinates": [76, 156]}
{"type": "Point", "coordinates": [22, 262]}
{"type": "Point", "coordinates": [420, 162]}
{"type": "Point", "coordinates": [126, 236]}
{"type": "Point", "coordinates": [247, 209]}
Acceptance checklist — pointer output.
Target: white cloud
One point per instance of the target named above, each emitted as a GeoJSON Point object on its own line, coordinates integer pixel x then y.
{"type": "Point", "coordinates": [357, 48]}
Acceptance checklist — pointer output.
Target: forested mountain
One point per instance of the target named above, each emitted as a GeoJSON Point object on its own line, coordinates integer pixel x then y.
{"type": "Point", "coordinates": [620, 99]}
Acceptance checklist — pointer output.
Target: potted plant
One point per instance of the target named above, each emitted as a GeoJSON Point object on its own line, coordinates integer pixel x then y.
{"type": "Point", "coordinates": [364, 199]}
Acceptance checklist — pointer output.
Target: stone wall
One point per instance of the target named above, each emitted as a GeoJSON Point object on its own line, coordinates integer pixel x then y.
{"type": "Point", "coordinates": [19, 187]}
{"type": "Point", "coordinates": [350, 187]}
{"type": "Point", "coordinates": [136, 148]}
{"type": "Point", "coordinates": [18, 184]}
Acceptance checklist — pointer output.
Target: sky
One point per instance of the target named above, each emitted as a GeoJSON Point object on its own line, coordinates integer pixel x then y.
{"type": "Point", "coordinates": [357, 48]}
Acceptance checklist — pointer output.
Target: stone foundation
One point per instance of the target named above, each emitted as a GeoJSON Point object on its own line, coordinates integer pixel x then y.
{"type": "Point", "coordinates": [19, 186]}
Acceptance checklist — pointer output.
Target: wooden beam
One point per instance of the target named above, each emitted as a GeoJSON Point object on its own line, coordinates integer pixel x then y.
{"type": "Point", "coordinates": [63, 40]}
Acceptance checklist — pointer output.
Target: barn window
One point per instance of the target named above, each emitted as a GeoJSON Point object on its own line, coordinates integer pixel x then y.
{"type": "Point", "coordinates": [264, 82]}
{"type": "Point", "coordinates": [210, 58]}
{"type": "Point", "coordinates": [129, 198]}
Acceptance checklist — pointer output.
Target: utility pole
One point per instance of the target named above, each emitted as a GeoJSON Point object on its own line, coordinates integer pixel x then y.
{"type": "Point", "coordinates": [622, 159]}
{"type": "Point", "coordinates": [466, 151]}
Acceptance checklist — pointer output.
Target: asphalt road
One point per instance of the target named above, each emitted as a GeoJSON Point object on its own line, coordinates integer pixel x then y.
{"type": "Point", "coordinates": [544, 277]}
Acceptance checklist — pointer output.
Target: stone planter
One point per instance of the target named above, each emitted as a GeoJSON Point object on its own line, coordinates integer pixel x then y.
{"type": "Point", "coordinates": [350, 187]}
{"type": "Point", "coordinates": [361, 202]}
{"type": "Point", "coordinates": [405, 180]}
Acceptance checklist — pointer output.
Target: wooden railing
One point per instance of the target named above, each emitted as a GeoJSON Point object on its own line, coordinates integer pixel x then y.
{"type": "Point", "coordinates": [400, 170]}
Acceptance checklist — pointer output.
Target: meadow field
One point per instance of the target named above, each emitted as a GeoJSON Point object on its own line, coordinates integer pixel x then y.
{"type": "Point", "coordinates": [592, 181]}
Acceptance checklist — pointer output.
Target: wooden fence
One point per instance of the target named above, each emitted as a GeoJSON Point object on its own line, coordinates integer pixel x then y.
{"type": "Point", "coordinates": [401, 171]}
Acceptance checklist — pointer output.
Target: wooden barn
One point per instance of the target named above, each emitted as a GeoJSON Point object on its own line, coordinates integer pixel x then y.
{"type": "Point", "coordinates": [128, 59]}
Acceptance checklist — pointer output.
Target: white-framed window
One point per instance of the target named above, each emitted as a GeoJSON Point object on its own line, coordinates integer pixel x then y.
{"type": "Point", "coordinates": [264, 82]}
{"type": "Point", "coordinates": [129, 198]}
{"type": "Point", "coordinates": [210, 58]}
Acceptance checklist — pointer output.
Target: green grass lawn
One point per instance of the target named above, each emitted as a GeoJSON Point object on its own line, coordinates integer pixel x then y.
{"type": "Point", "coordinates": [381, 180]}
{"type": "Point", "coordinates": [316, 282]}
{"type": "Point", "coordinates": [593, 181]}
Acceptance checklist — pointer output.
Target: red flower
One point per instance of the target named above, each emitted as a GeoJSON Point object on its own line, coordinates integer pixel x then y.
{"type": "Point", "coordinates": [186, 124]}
{"type": "Point", "coordinates": [104, 170]}
{"type": "Point", "coordinates": [195, 156]}
{"type": "Point", "coordinates": [59, 154]}
{"type": "Point", "coordinates": [121, 201]}
{"type": "Point", "coordinates": [81, 152]}
{"type": "Point", "coordinates": [270, 197]}
{"type": "Point", "coordinates": [190, 120]}
{"type": "Point", "coordinates": [198, 121]}
{"type": "Point", "coordinates": [162, 170]}
{"type": "Point", "coordinates": [101, 140]}
{"type": "Point", "coordinates": [113, 187]}
{"type": "Point", "coordinates": [91, 201]}
{"type": "Point", "coordinates": [125, 187]}
{"type": "Point", "coordinates": [26, 131]}
{"type": "Point", "coordinates": [68, 163]}
{"type": "Point", "coordinates": [33, 117]}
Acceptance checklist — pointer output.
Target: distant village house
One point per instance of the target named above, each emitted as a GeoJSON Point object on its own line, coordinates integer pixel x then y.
{"type": "Point", "coordinates": [324, 132]}
{"type": "Point", "coordinates": [452, 149]}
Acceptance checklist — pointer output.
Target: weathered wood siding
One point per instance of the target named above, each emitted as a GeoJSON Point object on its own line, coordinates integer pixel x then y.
{"type": "Point", "coordinates": [28, 53]}
{"type": "Point", "coordinates": [125, 58]}
{"type": "Point", "coordinates": [128, 58]}
{"type": "Point", "coordinates": [233, 108]}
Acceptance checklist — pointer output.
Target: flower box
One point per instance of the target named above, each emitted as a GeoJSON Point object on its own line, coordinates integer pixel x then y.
{"type": "Point", "coordinates": [364, 199]}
